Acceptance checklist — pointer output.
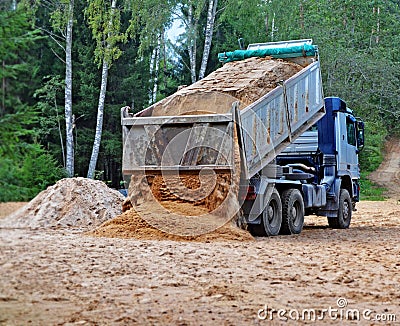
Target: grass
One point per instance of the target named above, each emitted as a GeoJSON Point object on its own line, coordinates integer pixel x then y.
{"type": "Point", "coordinates": [370, 190]}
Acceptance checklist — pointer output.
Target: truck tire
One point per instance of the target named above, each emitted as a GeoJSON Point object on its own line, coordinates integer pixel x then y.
{"type": "Point", "coordinates": [343, 218]}
{"type": "Point", "coordinates": [292, 212]}
{"type": "Point", "coordinates": [271, 217]}
{"type": "Point", "coordinates": [256, 229]}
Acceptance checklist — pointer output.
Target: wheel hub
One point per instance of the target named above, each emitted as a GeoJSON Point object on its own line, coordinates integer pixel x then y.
{"type": "Point", "coordinates": [270, 213]}
{"type": "Point", "coordinates": [294, 212]}
{"type": "Point", "coordinates": [346, 210]}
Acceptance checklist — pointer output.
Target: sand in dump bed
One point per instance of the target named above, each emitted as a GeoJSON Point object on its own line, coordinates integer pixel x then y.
{"type": "Point", "coordinates": [77, 203]}
{"type": "Point", "coordinates": [245, 81]}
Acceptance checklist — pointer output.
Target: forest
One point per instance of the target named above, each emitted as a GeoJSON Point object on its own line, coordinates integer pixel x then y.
{"type": "Point", "coordinates": [67, 68]}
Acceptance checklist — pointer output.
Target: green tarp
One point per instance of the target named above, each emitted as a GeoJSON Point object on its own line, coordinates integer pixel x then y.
{"type": "Point", "coordinates": [286, 52]}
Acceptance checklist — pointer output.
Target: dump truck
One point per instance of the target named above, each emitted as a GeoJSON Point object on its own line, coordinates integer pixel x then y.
{"type": "Point", "coordinates": [294, 152]}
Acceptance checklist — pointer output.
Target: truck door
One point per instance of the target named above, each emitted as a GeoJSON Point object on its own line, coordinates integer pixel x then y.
{"type": "Point", "coordinates": [347, 145]}
{"type": "Point", "coordinates": [351, 147]}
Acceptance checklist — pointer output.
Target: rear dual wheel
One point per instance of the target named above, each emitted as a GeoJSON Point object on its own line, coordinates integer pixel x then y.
{"type": "Point", "coordinates": [281, 216]}
{"type": "Point", "coordinates": [271, 217]}
{"type": "Point", "coordinates": [292, 212]}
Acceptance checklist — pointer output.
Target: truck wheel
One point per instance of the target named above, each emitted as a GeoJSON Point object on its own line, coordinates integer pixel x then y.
{"type": "Point", "coordinates": [271, 217]}
{"type": "Point", "coordinates": [343, 219]}
{"type": "Point", "coordinates": [256, 229]}
{"type": "Point", "coordinates": [292, 212]}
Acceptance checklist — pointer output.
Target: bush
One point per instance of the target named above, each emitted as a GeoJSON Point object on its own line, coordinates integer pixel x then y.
{"type": "Point", "coordinates": [22, 177]}
{"type": "Point", "coordinates": [371, 156]}
{"type": "Point", "coordinates": [370, 159]}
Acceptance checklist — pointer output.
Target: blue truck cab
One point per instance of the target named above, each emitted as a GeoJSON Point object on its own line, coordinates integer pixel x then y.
{"type": "Point", "coordinates": [330, 151]}
{"type": "Point", "coordinates": [342, 135]}
{"type": "Point", "coordinates": [318, 173]}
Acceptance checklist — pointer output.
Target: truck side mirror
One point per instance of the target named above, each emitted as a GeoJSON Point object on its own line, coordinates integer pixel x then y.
{"type": "Point", "coordinates": [360, 134]}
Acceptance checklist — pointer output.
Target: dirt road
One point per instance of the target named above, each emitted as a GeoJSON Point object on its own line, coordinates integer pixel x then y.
{"type": "Point", "coordinates": [388, 173]}
{"type": "Point", "coordinates": [61, 277]}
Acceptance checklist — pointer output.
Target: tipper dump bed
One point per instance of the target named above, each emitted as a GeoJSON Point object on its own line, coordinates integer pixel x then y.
{"type": "Point", "coordinates": [216, 143]}
{"type": "Point", "coordinates": [270, 102]}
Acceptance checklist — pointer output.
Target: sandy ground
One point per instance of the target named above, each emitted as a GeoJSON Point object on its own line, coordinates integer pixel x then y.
{"type": "Point", "coordinates": [63, 277]}
{"type": "Point", "coordinates": [50, 277]}
{"type": "Point", "coordinates": [10, 207]}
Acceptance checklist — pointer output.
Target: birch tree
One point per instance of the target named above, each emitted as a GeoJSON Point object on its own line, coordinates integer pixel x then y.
{"type": "Point", "coordinates": [151, 72]}
{"type": "Point", "coordinates": [104, 21]}
{"type": "Point", "coordinates": [192, 23]}
{"type": "Point", "coordinates": [190, 16]}
{"type": "Point", "coordinates": [68, 92]}
{"type": "Point", "coordinates": [211, 13]}
{"type": "Point", "coordinates": [62, 20]}
{"type": "Point", "coordinates": [154, 70]}
{"type": "Point", "coordinates": [155, 17]}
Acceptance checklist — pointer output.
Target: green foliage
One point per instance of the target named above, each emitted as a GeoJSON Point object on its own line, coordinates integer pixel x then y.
{"type": "Point", "coordinates": [358, 49]}
{"type": "Point", "coordinates": [15, 116]}
{"type": "Point", "coordinates": [244, 19]}
{"type": "Point", "coordinates": [372, 154]}
{"type": "Point", "coordinates": [14, 127]}
{"type": "Point", "coordinates": [25, 168]}
{"type": "Point", "coordinates": [58, 16]}
{"type": "Point", "coordinates": [23, 178]}
{"type": "Point", "coordinates": [105, 24]}
{"type": "Point", "coordinates": [153, 18]}
{"type": "Point", "coordinates": [370, 159]}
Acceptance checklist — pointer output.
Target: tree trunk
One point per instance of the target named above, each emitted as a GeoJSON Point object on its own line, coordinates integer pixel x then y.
{"type": "Point", "coordinates": [151, 72]}
{"type": "Point", "coordinates": [273, 28]}
{"type": "Point", "coordinates": [192, 43]}
{"type": "Point", "coordinates": [378, 27]}
{"type": "Point", "coordinates": [164, 55]}
{"type": "Point", "coordinates": [68, 93]}
{"type": "Point", "coordinates": [100, 108]}
{"type": "Point", "coordinates": [302, 16]}
{"type": "Point", "coordinates": [212, 9]}
{"type": "Point", "coordinates": [99, 122]}
{"type": "Point", "coordinates": [156, 70]}
{"type": "Point", "coordinates": [59, 131]}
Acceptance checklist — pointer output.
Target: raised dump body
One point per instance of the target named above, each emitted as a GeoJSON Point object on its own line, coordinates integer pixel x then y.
{"type": "Point", "coordinates": [270, 124]}
{"type": "Point", "coordinates": [265, 127]}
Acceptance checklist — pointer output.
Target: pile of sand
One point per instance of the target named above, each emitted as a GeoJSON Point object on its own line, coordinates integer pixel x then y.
{"type": "Point", "coordinates": [77, 203]}
{"type": "Point", "coordinates": [131, 224]}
